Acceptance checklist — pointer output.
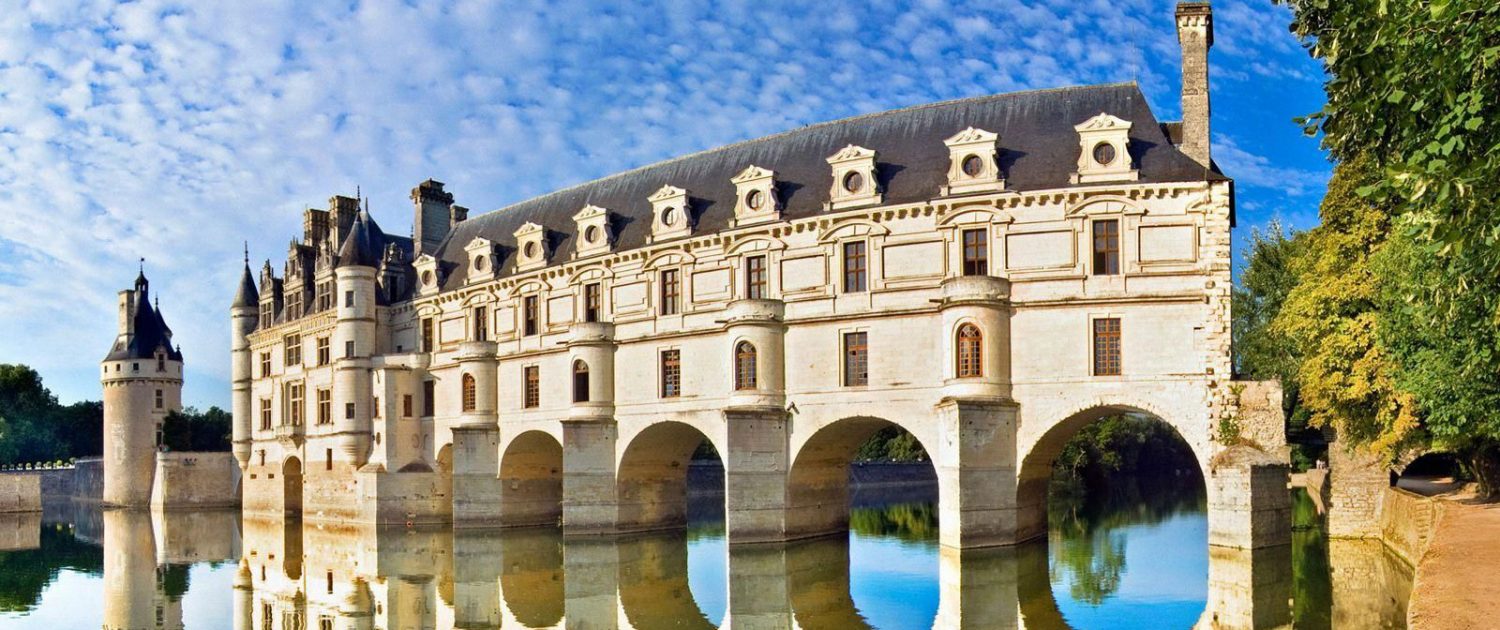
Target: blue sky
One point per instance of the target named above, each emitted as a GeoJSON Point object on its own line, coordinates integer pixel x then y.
{"type": "Point", "coordinates": [177, 130]}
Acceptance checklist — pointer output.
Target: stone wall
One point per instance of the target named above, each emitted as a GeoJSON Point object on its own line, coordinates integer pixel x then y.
{"type": "Point", "coordinates": [88, 479]}
{"type": "Point", "coordinates": [20, 531]}
{"type": "Point", "coordinates": [1407, 521]}
{"type": "Point", "coordinates": [1249, 506]}
{"type": "Point", "coordinates": [1262, 419]}
{"type": "Point", "coordinates": [1357, 482]}
{"type": "Point", "coordinates": [20, 492]}
{"type": "Point", "coordinates": [195, 480]}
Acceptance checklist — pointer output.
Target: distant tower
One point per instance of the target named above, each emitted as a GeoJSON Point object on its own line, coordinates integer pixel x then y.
{"type": "Point", "coordinates": [142, 378]}
{"type": "Point", "coordinates": [243, 317]}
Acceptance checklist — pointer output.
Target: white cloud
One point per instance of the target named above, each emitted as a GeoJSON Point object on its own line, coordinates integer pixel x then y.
{"type": "Point", "coordinates": [174, 130]}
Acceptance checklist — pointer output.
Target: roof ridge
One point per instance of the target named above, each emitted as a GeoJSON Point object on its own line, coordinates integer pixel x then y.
{"type": "Point", "coordinates": [797, 130]}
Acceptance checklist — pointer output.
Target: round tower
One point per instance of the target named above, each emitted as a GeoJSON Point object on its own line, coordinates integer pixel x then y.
{"type": "Point", "coordinates": [142, 379]}
{"type": "Point", "coordinates": [242, 321]}
{"type": "Point", "coordinates": [354, 338]}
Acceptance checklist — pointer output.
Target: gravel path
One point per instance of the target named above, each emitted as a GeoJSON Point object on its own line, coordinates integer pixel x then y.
{"type": "Point", "coordinates": [1458, 579]}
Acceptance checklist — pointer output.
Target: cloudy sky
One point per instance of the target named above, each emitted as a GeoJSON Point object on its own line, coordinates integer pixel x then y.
{"type": "Point", "coordinates": [175, 131]}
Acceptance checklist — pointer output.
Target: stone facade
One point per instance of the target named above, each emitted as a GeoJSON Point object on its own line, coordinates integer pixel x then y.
{"type": "Point", "coordinates": [20, 492]}
{"type": "Point", "coordinates": [1357, 483]}
{"type": "Point", "coordinates": [993, 277]}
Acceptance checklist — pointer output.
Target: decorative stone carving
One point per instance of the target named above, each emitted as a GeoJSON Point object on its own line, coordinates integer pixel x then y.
{"type": "Point", "coordinates": [672, 212]}
{"type": "Point", "coordinates": [855, 183]}
{"type": "Point", "coordinates": [428, 274]}
{"type": "Point", "coordinates": [593, 235]}
{"type": "Point", "coordinates": [973, 162]}
{"type": "Point", "coordinates": [1104, 151]}
{"type": "Point", "coordinates": [483, 260]}
{"type": "Point", "coordinates": [531, 247]}
{"type": "Point", "coordinates": [755, 197]}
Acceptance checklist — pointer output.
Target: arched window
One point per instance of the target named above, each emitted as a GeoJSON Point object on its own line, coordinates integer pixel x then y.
{"type": "Point", "coordinates": [744, 366]}
{"type": "Point", "coordinates": [970, 351]}
{"type": "Point", "coordinates": [469, 394]}
{"type": "Point", "coordinates": [580, 381]}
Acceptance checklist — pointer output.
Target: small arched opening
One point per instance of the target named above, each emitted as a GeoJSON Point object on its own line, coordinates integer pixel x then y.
{"type": "Point", "coordinates": [653, 476]}
{"type": "Point", "coordinates": [1431, 474]}
{"type": "Point", "coordinates": [860, 472]}
{"type": "Point", "coordinates": [745, 357]}
{"type": "Point", "coordinates": [531, 481]}
{"type": "Point", "coordinates": [291, 487]}
{"type": "Point", "coordinates": [580, 381]}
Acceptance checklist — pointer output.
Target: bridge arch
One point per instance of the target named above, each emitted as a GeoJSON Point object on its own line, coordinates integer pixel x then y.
{"type": "Point", "coordinates": [651, 474]}
{"type": "Point", "coordinates": [1036, 457]}
{"type": "Point", "coordinates": [817, 492]}
{"type": "Point", "coordinates": [531, 473]}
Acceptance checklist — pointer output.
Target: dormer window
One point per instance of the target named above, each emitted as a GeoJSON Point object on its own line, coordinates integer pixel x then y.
{"type": "Point", "coordinates": [973, 164]}
{"type": "Point", "coordinates": [671, 207]}
{"type": "Point", "coordinates": [428, 277]}
{"type": "Point", "coordinates": [593, 231]}
{"type": "Point", "coordinates": [755, 189]}
{"type": "Point", "coordinates": [1103, 155]}
{"type": "Point", "coordinates": [532, 239]}
{"type": "Point", "coordinates": [854, 179]}
{"type": "Point", "coordinates": [482, 259]}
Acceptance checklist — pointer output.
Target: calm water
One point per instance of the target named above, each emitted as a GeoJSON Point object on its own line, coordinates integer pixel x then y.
{"type": "Point", "coordinates": [1127, 561]}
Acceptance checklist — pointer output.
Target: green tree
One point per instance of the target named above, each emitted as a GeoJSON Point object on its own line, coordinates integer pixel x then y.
{"type": "Point", "coordinates": [1266, 280]}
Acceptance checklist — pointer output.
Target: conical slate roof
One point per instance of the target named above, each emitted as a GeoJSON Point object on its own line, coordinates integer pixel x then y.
{"type": "Point", "coordinates": [365, 243]}
{"type": "Point", "coordinates": [246, 295]}
{"type": "Point", "coordinates": [151, 331]}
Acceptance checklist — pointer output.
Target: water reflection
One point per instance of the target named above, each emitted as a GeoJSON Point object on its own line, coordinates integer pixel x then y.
{"type": "Point", "coordinates": [1098, 569]}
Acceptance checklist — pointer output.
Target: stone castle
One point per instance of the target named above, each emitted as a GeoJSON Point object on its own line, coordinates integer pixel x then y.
{"type": "Point", "coordinates": [989, 274]}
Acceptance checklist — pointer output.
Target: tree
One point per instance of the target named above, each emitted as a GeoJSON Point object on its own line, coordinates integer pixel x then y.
{"type": "Point", "coordinates": [1344, 376]}
{"type": "Point", "coordinates": [1264, 284]}
{"type": "Point", "coordinates": [1414, 85]}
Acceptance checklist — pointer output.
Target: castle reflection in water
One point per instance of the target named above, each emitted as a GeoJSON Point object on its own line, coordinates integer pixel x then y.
{"type": "Point", "coordinates": [289, 576]}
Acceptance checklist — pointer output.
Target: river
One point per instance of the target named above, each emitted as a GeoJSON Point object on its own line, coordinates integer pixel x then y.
{"type": "Point", "coordinates": [1136, 559]}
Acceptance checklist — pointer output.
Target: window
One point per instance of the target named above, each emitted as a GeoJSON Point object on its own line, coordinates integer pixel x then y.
{"type": "Point", "coordinates": [265, 414]}
{"type": "Point", "coordinates": [528, 308]}
{"type": "Point", "coordinates": [323, 351]}
{"type": "Point", "coordinates": [856, 359]}
{"type": "Point", "coordinates": [349, 411]}
{"type": "Point", "coordinates": [854, 267]}
{"type": "Point", "coordinates": [481, 323]}
{"type": "Point", "coordinates": [406, 405]}
{"type": "Point", "coordinates": [375, 407]}
{"type": "Point", "coordinates": [970, 352]}
{"type": "Point", "coordinates": [161, 363]}
{"type": "Point", "coordinates": [429, 398]}
{"type": "Point", "coordinates": [348, 349]}
{"type": "Point", "coordinates": [267, 616]}
{"type": "Point", "coordinates": [325, 623]}
{"type": "Point", "coordinates": [671, 373]}
{"type": "Point", "coordinates": [328, 465]}
{"type": "Point", "coordinates": [325, 406]}
{"type": "Point", "coordinates": [426, 334]}
{"type": "Point", "coordinates": [349, 299]}
{"type": "Point", "coordinates": [329, 588]}
{"type": "Point", "coordinates": [533, 393]}
{"type": "Point", "coordinates": [744, 366]}
{"type": "Point", "coordinates": [294, 404]}
{"type": "Point", "coordinates": [292, 349]}
{"type": "Point", "coordinates": [469, 393]}
{"type": "Point", "coordinates": [1107, 347]}
{"type": "Point", "coordinates": [1106, 247]}
{"type": "Point", "coordinates": [159, 404]}
{"type": "Point", "coordinates": [755, 278]}
{"type": "Point", "coordinates": [580, 382]}
{"type": "Point", "coordinates": [671, 289]}
{"type": "Point", "coordinates": [265, 364]}
{"type": "Point", "coordinates": [976, 253]}
{"type": "Point", "coordinates": [265, 315]}
{"type": "Point", "coordinates": [591, 302]}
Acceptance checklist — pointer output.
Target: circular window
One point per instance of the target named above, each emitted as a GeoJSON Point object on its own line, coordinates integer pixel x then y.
{"type": "Point", "coordinates": [1104, 153]}
{"type": "Point", "coordinates": [480, 262]}
{"type": "Point", "coordinates": [669, 216]}
{"type": "Point", "coordinates": [755, 199]}
{"type": "Point", "coordinates": [854, 182]}
{"type": "Point", "coordinates": [591, 234]}
{"type": "Point", "coordinates": [973, 166]}
{"type": "Point", "coordinates": [531, 249]}
{"type": "Point", "coordinates": [427, 277]}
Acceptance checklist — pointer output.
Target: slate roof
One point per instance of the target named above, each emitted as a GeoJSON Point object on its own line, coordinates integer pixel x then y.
{"type": "Point", "coordinates": [1039, 150]}
{"type": "Point", "coordinates": [151, 331]}
{"type": "Point", "coordinates": [365, 245]}
{"type": "Point", "coordinates": [246, 295]}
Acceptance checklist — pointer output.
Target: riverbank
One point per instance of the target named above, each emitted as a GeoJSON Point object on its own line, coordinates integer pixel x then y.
{"type": "Point", "coordinates": [1455, 581]}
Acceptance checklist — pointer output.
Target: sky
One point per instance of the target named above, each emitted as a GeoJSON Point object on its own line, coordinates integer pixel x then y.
{"type": "Point", "coordinates": [177, 131]}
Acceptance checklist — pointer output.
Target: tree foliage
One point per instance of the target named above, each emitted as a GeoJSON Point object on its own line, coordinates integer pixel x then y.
{"type": "Point", "coordinates": [35, 428]}
{"type": "Point", "coordinates": [1264, 284]}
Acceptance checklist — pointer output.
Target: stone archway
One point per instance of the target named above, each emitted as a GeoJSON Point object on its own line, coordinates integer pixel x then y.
{"type": "Point", "coordinates": [291, 487]}
{"type": "Point", "coordinates": [818, 480]}
{"type": "Point", "coordinates": [651, 479]}
{"type": "Point", "coordinates": [653, 583]}
{"type": "Point", "coordinates": [1034, 474]}
{"type": "Point", "coordinates": [531, 480]}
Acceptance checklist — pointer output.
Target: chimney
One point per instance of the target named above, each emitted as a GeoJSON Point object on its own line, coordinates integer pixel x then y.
{"type": "Point", "coordinates": [1195, 33]}
{"type": "Point", "coordinates": [127, 312]}
{"type": "Point", "coordinates": [460, 214]}
{"type": "Point", "coordinates": [433, 215]}
{"type": "Point", "coordinates": [341, 213]}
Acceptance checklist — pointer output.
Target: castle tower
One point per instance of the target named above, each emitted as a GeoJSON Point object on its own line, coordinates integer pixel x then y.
{"type": "Point", "coordinates": [354, 338]}
{"type": "Point", "coordinates": [142, 379]}
{"type": "Point", "coordinates": [243, 317]}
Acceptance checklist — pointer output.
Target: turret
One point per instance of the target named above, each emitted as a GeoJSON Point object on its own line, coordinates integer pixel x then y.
{"type": "Point", "coordinates": [354, 337]}
{"type": "Point", "coordinates": [243, 317]}
{"type": "Point", "coordinates": [1195, 33]}
{"type": "Point", "coordinates": [142, 380]}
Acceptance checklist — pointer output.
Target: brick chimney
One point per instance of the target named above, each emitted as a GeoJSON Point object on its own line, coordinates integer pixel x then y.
{"type": "Point", "coordinates": [434, 209]}
{"type": "Point", "coordinates": [1195, 33]}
